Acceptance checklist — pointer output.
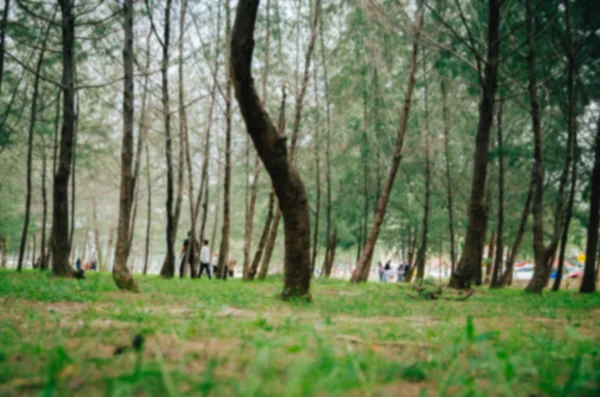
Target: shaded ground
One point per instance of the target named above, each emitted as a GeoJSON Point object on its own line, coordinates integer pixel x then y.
{"type": "Point", "coordinates": [219, 338]}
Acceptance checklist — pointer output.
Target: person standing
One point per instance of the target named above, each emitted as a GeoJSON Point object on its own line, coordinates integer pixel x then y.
{"type": "Point", "coordinates": [204, 259]}
{"type": "Point", "coordinates": [380, 271]}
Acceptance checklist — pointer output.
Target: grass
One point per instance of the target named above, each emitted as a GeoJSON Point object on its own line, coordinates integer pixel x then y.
{"type": "Point", "coordinates": [58, 337]}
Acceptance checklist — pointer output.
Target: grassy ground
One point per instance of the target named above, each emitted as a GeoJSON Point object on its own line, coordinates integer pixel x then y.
{"type": "Point", "coordinates": [59, 337]}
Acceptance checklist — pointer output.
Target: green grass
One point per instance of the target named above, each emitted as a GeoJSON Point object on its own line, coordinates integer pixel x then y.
{"type": "Point", "coordinates": [58, 337]}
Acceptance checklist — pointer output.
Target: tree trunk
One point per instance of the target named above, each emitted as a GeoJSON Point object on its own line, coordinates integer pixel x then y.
{"type": "Point", "coordinates": [224, 249]}
{"type": "Point", "coordinates": [495, 282]}
{"type": "Point", "coordinates": [120, 272]}
{"type": "Point", "coordinates": [470, 259]}
{"type": "Point", "coordinates": [588, 283]}
{"type": "Point", "coordinates": [43, 262]}
{"type": "Point", "coordinates": [218, 205]}
{"type": "Point", "coordinates": [271, 148]}
{"type": "Point", "coordinates": [449, 196]}
{"type": "Point", "coordinates": [168, 269]}
{"type": "Point", "coordinates": [99, 256]}
{"type": "Point", "coordinates": [331, 253]}
{"type": "Point", "coordinates": [149, 209]}
{"type": "Point", "coordinates": [270, 245]}
{"type": "Point", "coordinates": [572, 132]}
{"type": "Point", "coordinates": [31, 130]}
{"type": "Point", "coordinates": [361, 272]}
{"type": "Point", "coordinates": [252, 203]}
{"type": "Point", "coordinates": [317, 177]}
{"type": "Point", "coordinates": [328, 242]}
{"type": "Point", "coordinates": [263, 237]}
{"type": "Point", "coordinates": [423, 248]}
{"type": "Point", "coordinates": [3, 26]}
{"type": "Point", "coordinates": [542, 253]}
{"type": "Point", "coordinates": [60, 209]}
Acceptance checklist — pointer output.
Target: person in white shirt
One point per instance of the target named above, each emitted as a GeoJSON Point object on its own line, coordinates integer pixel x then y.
{"type": "Point", "coordinates": [204, 259]}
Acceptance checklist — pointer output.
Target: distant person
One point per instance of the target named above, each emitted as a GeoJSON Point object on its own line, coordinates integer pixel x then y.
{"type": "Point", "coordinates": [215, 262]}
{"type": "Point", "coordinates": [231, 266]}
{"type": "Point", "coordinates": [78, 264]}
{"type": "Point", "coordinates": [204, 259]}
{"type": "Point", "coordinates": [94, 265]}
{"type": "Point", "coordinates": [184, 254]}
{"type": "Point", "coordinates": [380, 271]}
{"type": "Point", "coordinates": [401, 272]}
{"type": "Point", "coordinates": [388, 272]}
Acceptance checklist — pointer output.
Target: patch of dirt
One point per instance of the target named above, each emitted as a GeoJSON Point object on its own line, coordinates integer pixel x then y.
{"type": "Point", "coordinates": [411, 321]}
{"type": "Point", "coordinates": [229, 311]}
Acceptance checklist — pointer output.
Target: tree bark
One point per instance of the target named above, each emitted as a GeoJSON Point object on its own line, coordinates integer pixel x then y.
{"type": "Point", "coordinates": [43, 262]}
{"type": "Point", "coordinates": [31, 130]}
{"type": "Point", "coordinates": [495, 282]}
{"type": "Point", "coordinates": [168, 269]}
{"type": "Point", "coordinates": [271, 148]}
{"type": "Point", "coordinates": [361, 272]}
{"type": "Point", "coordinates": [449, 195]}
{"type": "Point", "coordinates": [120, 272]}
{"type": "Point", "coordinates": [270, 245]}
{"type": "Point", "coordinates": [60, 207]}
{"type": "Point", "coordinates": [470, 259]}
{"type": "Point", "coordinates": [263, 238]}
{"type": "Point", "coordinates": [224, 249]}
{"type": "Point", "coordinates": [218, 205]}
{"type": "Point", "coordinates": [588, 283]}
{"type": "Point", "coordinates": [149, 209]}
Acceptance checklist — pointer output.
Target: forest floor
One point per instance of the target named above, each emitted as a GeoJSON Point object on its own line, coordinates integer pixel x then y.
{"type": "Point", "coordinates": [68, 337]}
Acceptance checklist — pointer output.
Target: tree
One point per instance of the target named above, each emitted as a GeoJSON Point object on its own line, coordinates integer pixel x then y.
{"type": "Point", "coordinates": [120, 272]}
{"type": "Point", "coordinates": [60, 221]}
{"type": "Point", "coordinates": [588, 282]}
{"type": "Point", "coordinates": [271, 147]}
{"type": "Point", "coordinates": [471, 256]}
{"type": "Point", "coordinates": [361, 272]}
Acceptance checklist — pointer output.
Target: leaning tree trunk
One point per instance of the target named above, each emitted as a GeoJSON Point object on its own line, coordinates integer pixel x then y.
{"type": "Point", "coordinates": [251, 204]}
{"type": "Point", "coordinates": [294, 136]}
{"type": "Point", "coordinates": [495, 282]}
{"type": "Point", "coordinates": [588, 283]}
{"type": "Point", "coordinates": [60, 206]}
{"type": "Point", "coordinates": [263, 238]}
{"type": "Point", "coordinates": [361, 272]}
{"type": "Point", "coordinates": [449, 196]}
{"type": "Point", "coordinates": [120, 272]}
{"type": "Point", "coordinates": [470, 259]}
{"type": "Point", "coordinates": [224, 249]}
{"type": "Point", "coordinates": [168, 269]}
{"type": "Point", "coordinates": [32, 120]}
{"type": "Point", "coordinates": [271, 147]}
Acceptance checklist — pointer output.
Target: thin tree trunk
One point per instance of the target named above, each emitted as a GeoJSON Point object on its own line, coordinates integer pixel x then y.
{"type": "Point", "coordinates": [3, 26]}
{"type": "Point", "coordinates": [449, 196]}
{"type": "Point", "coordinates": [99, 256]}
{"type": "Point", "coordinates": [543, 254]}
{"type": "Point", "coordinates": [588, 283]}
{"type": "Point", "coordinates": [31, 130]}
{"type": "Point", "coordinates": [331, 253]}
{"type": "Point", "coordinates": [253, 188]}
{"type": "Point", "coordinates": [60, 209]}
{"type": "Point", "coordinates": [73, 170]}
{"type": "Point", "coordinates": [423, 247]}
{"type": "Point", "coordinates": [495, 282]}
{"type": "Point", "coordinates": [43, 263]}
{"type": "Point", "coordinates": [572, 128]}
{"type": "Point", "coordinates": [4, 249]}
{"type": "Point", "coordinates": [33, 251]}
{"type": "Point", "coordinates": [218, 205]}
{"type": "Point", "coordinates": [361, 272]}
{"type": "Point", "coordinates": [510, 263]}
{"type": "Point", "coordinates": [470, 259]}
{"type": "Point", "coordinates": [269, 143]}
{"type": "Point", "coordinates": [263, 237]}
{"type": "Point", "coordinates": [224, 249]}
{"type": "Point", "coordinates": [120, 271]}
{"type": "Point", "coordinates": [168, 269]}
{"type": "Point", "coordinates": [317, 177]}
{"type": "Point", "coordinates": [149, 209]}
{"type": "Point", "coordinates": [328, 241]}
